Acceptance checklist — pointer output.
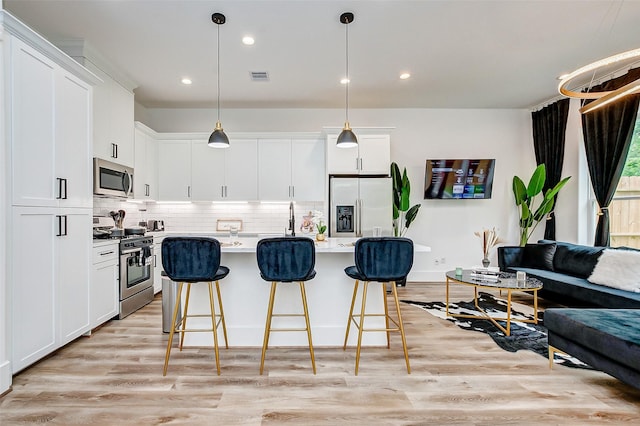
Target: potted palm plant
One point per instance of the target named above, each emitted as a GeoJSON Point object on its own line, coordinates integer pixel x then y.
{"type": "Point", "coordinates": [403, 215]}
{"type": "Point", "coordinates": [530, 217]}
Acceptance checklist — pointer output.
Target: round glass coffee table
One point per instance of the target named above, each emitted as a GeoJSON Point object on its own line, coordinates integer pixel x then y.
{"type": "Point", "coordinates": [506, 281]}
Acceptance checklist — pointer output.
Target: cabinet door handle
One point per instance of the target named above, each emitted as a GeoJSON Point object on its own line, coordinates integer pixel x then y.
{"type": "Point", "coordinates": [357, 163]}
{"type": "Point", "coordinates": [189, 191]}
{"type": "Point", "coordinates": [104, 253]}
{"type": "Point", "coordinates": [62, 224]}
{"type": "Point", "coordinates": [293, 191]}
{"type": "Point", "coordinates": [114, 150]}
{"type": "Point", "coordinates": [62, 189]}
{"type": "Point", "coordinates": [155, 260]}
{"type": "Point", "coordinates": [146, 189]}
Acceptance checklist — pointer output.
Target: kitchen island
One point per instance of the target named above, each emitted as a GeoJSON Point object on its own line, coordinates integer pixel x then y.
{"type": "Point", "coordinates": [245, 296]}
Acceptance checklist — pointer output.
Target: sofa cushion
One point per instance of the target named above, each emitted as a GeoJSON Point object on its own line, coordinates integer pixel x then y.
{"type": "Point", "coordinates": [538, 256]}
{"type": "Point", "coordinates": [613, 333]}
{"type": "Point", "coordinates": [618, 269]}
{"type": "Point", "coordinates": [576, 260]}
{"type": "Point", "coordinates": [582, 290]}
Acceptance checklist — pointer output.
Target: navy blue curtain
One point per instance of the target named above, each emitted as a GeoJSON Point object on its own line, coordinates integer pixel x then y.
{"type": "Point", "coordinates": [549, 129]}
{"type": "Point", "coordinates": [607, 137]}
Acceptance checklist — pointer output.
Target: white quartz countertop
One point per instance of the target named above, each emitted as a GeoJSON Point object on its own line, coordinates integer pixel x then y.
{"type": "Point", "coordinates": [248, 244]}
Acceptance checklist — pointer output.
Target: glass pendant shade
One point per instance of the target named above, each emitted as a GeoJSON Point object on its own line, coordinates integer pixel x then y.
{"type": "Point", "coordinates": [218, 138]}
{"type": "Point", "coordinates": [346, 138]}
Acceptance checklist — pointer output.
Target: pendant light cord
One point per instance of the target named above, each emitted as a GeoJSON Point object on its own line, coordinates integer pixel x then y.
{"type": "Point", "coordinates": [218, 65]}
{"type": "Point", "coordinates": [348, 79]}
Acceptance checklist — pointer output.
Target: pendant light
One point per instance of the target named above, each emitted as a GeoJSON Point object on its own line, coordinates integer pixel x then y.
{"type": "Point", "coordinates": [218, 138]}
{"type": "Point", "coordinates": [347, 139]}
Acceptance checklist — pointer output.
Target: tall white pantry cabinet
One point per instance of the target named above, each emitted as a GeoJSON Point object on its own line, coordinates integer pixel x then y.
{"type": "Point", "coordinates": [48, 137]}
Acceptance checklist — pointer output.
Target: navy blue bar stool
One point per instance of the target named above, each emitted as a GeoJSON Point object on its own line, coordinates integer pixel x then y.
{"type": "Point", "coordinates": [383, 260]}
{"type": "Point", "coordinates": [286, 260]}
{"type": "Point", "coordinates": [191, 260]}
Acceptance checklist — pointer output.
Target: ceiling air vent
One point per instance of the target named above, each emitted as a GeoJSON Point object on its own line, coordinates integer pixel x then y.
{"type": "Point", "coordinates": [259, 76]}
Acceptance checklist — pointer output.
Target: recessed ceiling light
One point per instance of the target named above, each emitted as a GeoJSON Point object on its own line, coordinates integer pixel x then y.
{"type": "Point", "coordinates": [404, 76]}
{"type": "Point", "coordinates": [248, 40]}
{"type": "Point", "coordinates": [186, 81]}
{"type": "Point", "coordinates": [345, 81]}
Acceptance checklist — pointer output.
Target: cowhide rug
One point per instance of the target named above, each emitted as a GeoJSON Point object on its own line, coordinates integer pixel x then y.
{"type": "Point", "coordinates": [532, 337]}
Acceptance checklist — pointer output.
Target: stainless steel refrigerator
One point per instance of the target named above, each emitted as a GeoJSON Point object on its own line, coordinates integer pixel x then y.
{"type": "Point", "coordinates": [358, 204]}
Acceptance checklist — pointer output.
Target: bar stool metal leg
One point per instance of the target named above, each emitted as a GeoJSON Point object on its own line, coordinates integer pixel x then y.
{"type": "Point", "coordinates": [185, 316]}
{"type": "Point", "coordinates": [173, 329]}
{"type": "Point", "coordinates": [306, 318]}
{"type": "Point", "coordinates": [224, 324]}
{"type": "Point", "coordinates": [386, 311]}
{"type": "Point", "coordinates": [361, 325]}
{"type": "Point", "coordinates": [401, 326]}
{"type": "Point", "coordinates": [350, 317]}
{"type": "Point", "coordinates": [214, 326]}
{"type": "Point", "coordinates": [267, 327]}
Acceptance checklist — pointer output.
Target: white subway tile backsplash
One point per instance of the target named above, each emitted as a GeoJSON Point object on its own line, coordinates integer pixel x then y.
{"type": "Point", "coordinates": [256, 217]}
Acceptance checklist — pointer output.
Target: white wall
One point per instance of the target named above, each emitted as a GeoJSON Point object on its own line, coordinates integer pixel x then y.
{"type": "Point", "coordinates": [447, 226]}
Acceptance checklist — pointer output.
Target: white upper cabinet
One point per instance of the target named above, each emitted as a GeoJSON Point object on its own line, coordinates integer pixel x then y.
{"type": "Point", "coordinates": [241, 170]}
{"type": "Point", "coordinates": [33, 80]}
{"type": "Point", "coordinates": [274, 169]}
{"type": "Point", "coordinates": [174, 163]}
{"type": "Point", "coordinates": [308, 171]}
{"type": "Point", "coordinates": [113, 114]}
{"type": "Point", "coordinates": [73, 142]}
{"type": "Point", "coordinates": [207, 172]}
{"type": "Point", "coordinates": [50, 132]}
{"type": "Point", "coordinates": [145, 179]}
{"type": "Point", "coordinates": [225, 174]}
{"type": "Point", "coordinates": [371, 156]}
{"type": "Point", "coordinates": [291, 169]}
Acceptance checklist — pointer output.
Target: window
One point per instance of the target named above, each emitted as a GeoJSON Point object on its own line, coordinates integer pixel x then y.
{"type": "Point", "coordinates": [625, 208]}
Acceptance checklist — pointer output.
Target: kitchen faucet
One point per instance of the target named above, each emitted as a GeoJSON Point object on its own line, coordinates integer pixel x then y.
{"type": "Point", "coordinates": [292, 220]}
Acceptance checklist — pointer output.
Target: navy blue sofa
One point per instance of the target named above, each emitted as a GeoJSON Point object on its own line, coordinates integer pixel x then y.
{"type": "Point", "coordinates": [606, 339]}
{"type": "Point", "coordinates": [563, 269]}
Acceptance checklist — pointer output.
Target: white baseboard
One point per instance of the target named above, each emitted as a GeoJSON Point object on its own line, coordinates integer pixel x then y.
{"type": "Point", "coordinates": [5, 377]}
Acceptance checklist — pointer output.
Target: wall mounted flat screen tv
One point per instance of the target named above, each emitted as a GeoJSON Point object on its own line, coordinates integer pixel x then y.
{"type": "Point", "coordinates": [458, 179]}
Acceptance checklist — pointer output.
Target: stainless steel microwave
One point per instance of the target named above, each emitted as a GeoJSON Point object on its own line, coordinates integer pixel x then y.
{"type": "Point", "coordinates": [111, 179]}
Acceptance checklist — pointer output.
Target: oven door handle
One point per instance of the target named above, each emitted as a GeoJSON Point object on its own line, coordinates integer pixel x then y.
{"type": "Point", "coordinates": [136, 250]}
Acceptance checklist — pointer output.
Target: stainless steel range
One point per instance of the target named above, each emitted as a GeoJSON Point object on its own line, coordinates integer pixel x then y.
{"type": "Point", "coordinates": [136, 266]}
{"type": "Point", "coordinates": [136, 273]}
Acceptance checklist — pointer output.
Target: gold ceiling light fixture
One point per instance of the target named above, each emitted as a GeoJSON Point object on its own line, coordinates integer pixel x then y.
{"type": "Point", "coordinates": [605, 97]}
{"type": "Point", "coordinates": [347, 139]}
{"type": "Point", "coordinates": [218, 138]}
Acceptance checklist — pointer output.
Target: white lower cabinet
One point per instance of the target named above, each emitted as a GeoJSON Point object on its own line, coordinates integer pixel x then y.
{"type": "Point", "coordinates": [105, 280]}
{"type": "Point", "coordinates": [49, 280]}
{"type": "Point", "coordinates": [157, 264]}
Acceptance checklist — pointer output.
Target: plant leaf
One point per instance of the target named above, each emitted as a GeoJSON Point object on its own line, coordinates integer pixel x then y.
{"type": "Point", "coordinates": [396, 177]}
{"type": "Point", "coordinates": [411, 214]}
{"type": "Point", "coordinates": [519, 190]}
{"type": "Point", "coordinates": [536, 183]}
{"type": "Point", "coordinates": [552, 192]}
{"type": "Point", "coordinates": [404, 200]}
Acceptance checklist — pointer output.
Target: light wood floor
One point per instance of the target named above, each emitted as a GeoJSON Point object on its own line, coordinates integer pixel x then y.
{"type": "Point", "coordinates": [458, 378]}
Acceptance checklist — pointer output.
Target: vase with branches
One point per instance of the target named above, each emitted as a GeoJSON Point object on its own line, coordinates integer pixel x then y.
{"type": "Point", "coordinates": [489, 239]}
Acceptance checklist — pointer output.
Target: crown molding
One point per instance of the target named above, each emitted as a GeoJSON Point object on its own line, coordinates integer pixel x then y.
{"type": "Point", "coordinates": [82, 50]}
{"type": "Point", "coordinates": [21, 31]}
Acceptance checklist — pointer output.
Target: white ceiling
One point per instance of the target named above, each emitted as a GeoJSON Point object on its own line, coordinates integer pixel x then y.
{"type": "Point", "coordinates": [461, 54]}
